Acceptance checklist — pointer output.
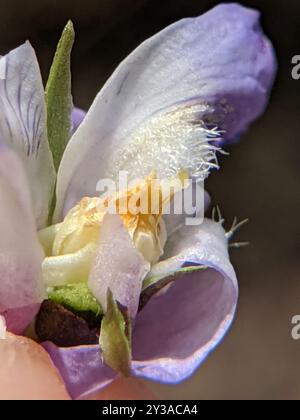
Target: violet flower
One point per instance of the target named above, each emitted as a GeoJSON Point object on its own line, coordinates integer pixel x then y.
{"type": "Point", "coordinates": [159, 110]}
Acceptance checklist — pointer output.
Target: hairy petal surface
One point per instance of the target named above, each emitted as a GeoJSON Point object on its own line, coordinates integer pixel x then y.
{"type": "Point", "coordinates": [23, 124]}
{"type": "Point", "coordinates": [214, 70]}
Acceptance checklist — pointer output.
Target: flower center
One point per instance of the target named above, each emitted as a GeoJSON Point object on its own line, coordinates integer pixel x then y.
{"type": "Point", "coordinates": [70, 246]}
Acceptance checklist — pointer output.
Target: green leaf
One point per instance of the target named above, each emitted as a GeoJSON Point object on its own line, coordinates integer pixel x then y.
{"type": "Point", "coordinates": [115, 337]}
{"type": "Point", "coordinates": [58, 95]}
{"type": "Point", "coordinates": [76, 297]}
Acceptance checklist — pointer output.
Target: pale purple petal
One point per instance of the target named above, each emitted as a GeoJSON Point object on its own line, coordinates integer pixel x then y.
{"type": "Point", "coordinates": [77, 118]}
{"type": "Point", "coordinates": [216, 69]}
{"type": "Point", "coordinates": [118, 266]}
{"type": "Point", "coordinates": [240, 66]}
{"type": "Point", "coordinates": [177, 329]}
{"type": "Point", "coordinates": [186, 322]}
{"type": "Point", "coordinates": [81, 369]}
{"type": "Point", "coordinates": [21, 287]}
{"type": "Point", "coordinates": [17, 319]}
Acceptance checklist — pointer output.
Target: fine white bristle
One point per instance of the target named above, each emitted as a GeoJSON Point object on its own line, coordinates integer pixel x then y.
{"type": "Point", "coordinates": [168, 142]}
{"type": "Point", "coordinates": [235, 227]}
{"type": "Point", "coordinates": [238, 244]}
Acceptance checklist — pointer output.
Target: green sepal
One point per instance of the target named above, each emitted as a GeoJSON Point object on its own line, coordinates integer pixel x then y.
{"type": "Point", "coordinates": [76, 297]}
{"type": "Point", "coordinates": [115, 337]}
{"type": "Point", "coordinates": [58, 95]}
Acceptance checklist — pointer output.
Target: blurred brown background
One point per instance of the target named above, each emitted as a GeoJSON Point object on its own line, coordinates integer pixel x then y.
{"type": "Point", "coordinates": [260, 180]}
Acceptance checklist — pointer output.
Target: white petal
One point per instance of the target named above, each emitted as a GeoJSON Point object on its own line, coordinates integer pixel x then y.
{"type": "Point", "coordinates": [118, 266]}
{"type": "Point", "coordinates": [70, 268]}
{"type": "Point", "coordinates": [217, 68]}
{"type": "Point", "coordinates": [20, 252]}
{"type": "Point", "coordinates": [192, 245]}
{"type": "Point", "coordinates": [23, 124]}
{"type": "Point", "coordinates": [144, 118]}
{"type": "Point", "coordinates": [175, 221]}
{"type": "Point", "coordinates": [2, 68]}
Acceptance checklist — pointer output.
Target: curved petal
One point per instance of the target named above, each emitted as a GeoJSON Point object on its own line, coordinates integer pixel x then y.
{"type": "Point", "coordinates": [81, 369]}
{"type": "Point", "coordinates": [118, 266]}
{"type": "Point", "coordinates": [205, 244]}
{"type": "Point", "coordinates": [84, 374]}
{"type": "Point", "coordinates": [177, 329]}
{"type": "Point", "coordinates": [70, 268]}
{"type": "Point", "coordinates": [183, 326]}
{"type": "Point", "coordinates": [21, 288]}
{"type": "Point", "coordinates": [214, 70]}
{"type": "Point", "coordinates": [23, 124]}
